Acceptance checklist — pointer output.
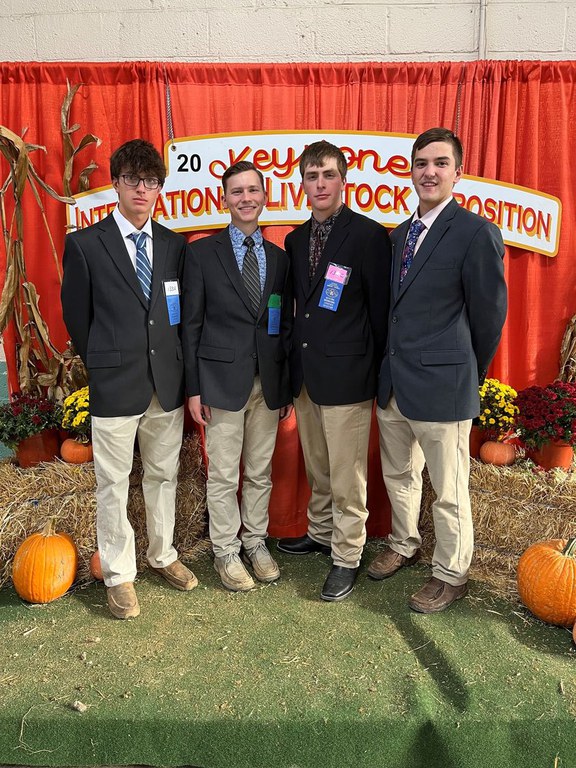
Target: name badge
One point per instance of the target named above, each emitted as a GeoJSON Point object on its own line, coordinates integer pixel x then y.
{"type": "Point", "coordinates": [335, 279]}
{"type": "Point", "coordinates": [172, 293]}
{"type": "Point", "coordinates": [274, 312]}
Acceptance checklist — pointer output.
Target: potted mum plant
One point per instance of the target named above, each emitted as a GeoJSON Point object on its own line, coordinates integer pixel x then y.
{"type": "Point", "coordinates": [29, 425]}
{"type": "Point", "coordinates": [496, 420]}
{"type": "Point", "coordinates": [546, 423]}
{"type": "Point", "coordinates": [76, 420]}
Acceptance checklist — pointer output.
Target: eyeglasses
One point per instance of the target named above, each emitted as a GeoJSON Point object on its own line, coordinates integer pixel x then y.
{"type": "Point", "coordinates": [131, 180]}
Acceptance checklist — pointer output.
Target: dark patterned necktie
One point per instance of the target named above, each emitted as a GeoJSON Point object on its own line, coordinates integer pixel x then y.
{"type": "Point", "coordinates": [143, 267]}
{"type": "Point", "coordinates": [408, 254]}
{"type": "Point", "coordinates": [316, 251]}
{"type": "Point", "coordinates": [251, 274]}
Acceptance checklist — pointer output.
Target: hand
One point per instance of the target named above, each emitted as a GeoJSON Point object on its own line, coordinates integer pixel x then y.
{"type": "Point", "coordinates": [200, 413]}
{"type": "Point", "coordinates": [286, 411]}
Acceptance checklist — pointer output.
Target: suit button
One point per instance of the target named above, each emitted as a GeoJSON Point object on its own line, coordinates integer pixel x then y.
{"type": "Point", "coordinates": [307, 315]}
{"type": "Point", "coordinates": [392, 351]}
{"type": "Point", "coordinates": [152, 351]}
{"type": "Point", "coordinates": [150, 322]}
{"type": "Point", "coordinates": [254, 355]}
{"type": "Point", "coordinates": [394, 319]}
{"type": "Point", "coordinates": [304, 345]}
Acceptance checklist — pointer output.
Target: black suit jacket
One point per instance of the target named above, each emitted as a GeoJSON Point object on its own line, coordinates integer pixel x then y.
{"type": "Point", "coordinates": [337, 354]}
{"type": "Point", "coordinates": [222, 337]}
{"type": "Point", "coordinates": [446, 319]}
{"type": "Point", "coordinates": [130, 351]}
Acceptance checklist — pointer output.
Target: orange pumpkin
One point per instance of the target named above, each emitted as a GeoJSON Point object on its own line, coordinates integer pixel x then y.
{"type": "Point", "coordinates": [546, 578]}
{"type": "Point", "coordinates": [96, 567]}
{"type": "Point", "coordinates": [497, 453]}
{"type": "Point", "coordinates": [75, 452]}
{"type": "Point", "coordinates": [574, 634]}
{"type": "Point", "coordinates": [44, 565]}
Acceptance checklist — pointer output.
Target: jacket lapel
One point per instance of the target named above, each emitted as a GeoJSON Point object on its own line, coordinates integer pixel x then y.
{"type": "Point", "coordinates": [398, 239]}
{"type": "Point", "coordinates": [158, 261]}
{"type": "Point", "coordinates": [301, 250]}
{"type": "Point", "coordinates": [433, 237]}
{"type": "Point", "coordinates": [114, 244]}
{"type": "Point", "coordinates": [225, 253]}
{"type": "Point", "coordinates": [337, 236]}
{"type": "Point", "coordinates": [271, 264]}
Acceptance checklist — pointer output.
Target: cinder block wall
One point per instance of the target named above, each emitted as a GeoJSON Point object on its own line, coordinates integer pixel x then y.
{"type": "Point", "coordinates": [286, 30]}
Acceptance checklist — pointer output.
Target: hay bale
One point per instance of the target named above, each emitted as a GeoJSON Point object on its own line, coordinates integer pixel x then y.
{"type": "Point", "coordinates": [29, 497]}
{"type": "Point", "coordinates": [512, 507]}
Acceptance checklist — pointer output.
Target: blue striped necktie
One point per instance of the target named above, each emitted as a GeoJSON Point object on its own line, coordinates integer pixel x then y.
{"type": "Point", "coordinates": [143, 267]}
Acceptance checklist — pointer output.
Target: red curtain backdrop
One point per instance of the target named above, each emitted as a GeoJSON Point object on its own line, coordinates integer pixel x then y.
{"type": "Point", "coordinates": [517, 121]}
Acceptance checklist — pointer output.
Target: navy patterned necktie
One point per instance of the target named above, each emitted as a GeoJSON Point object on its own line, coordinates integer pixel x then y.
{"type": "Point", "coordinates": [143, 267]}
{"type": "Point", "coordinates": [251, 274]}
{"type": "Point", "coordinates": [408, 253]}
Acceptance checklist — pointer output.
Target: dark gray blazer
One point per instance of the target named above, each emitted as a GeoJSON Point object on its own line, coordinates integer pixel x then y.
{"type": "Point", "coordinates": [130, 352]}
{"type": "Point", "coordinates": [222, 338]}
{"type": "Point", "coordinates": [337, 354]}
{"type": "Point", "coordinates": [446, 319]}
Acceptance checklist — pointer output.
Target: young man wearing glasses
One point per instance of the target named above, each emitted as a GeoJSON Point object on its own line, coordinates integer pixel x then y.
{"type": "Point", "coordinates": [121, 305]}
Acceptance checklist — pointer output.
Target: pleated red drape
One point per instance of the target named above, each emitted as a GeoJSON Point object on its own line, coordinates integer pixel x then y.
{"type": "Point", "coordinates": [517, 121]}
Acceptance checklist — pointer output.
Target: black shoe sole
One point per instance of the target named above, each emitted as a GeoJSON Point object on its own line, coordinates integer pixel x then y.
{"type": "Point", "coordinates": [322, 549]}
{"type": "Point", "coordinates": [330, 599]}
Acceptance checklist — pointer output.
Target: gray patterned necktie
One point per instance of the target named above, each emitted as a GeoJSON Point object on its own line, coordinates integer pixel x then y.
{"type": "Point", "coordinates": [143, 267]}
{"type": "Point", "coordinates": [251, 274]}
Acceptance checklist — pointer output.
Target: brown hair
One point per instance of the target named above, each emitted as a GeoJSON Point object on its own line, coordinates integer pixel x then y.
{"type": "Point", "coordinates": [317, 154]}
{"type": "Point", "coordinates": [137, 157]}
{"type": "Point", "coordinates": [439, 134]}
{"type": "Point", "coordinates": [241, 167]}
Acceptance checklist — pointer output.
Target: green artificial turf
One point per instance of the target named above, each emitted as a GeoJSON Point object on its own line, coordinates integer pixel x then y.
{"type": "Point", "coordinates": [277, 678]}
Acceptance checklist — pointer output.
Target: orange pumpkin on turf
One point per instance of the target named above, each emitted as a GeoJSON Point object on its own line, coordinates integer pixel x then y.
{"type": "Point", "coordinates": [96, 567]}
{"type": "Point", "coordinates": [546, 578]}
{"type": "Point", "coordinates": [499, 454]}
{"type": "Point", "coordinates": [44, 565]}
{"type": "Point", "coordinates": [75, 452]}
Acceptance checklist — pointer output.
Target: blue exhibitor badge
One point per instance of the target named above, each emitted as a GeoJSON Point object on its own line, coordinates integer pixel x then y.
{"type": "Point", "coordinates": [172, 293]}
{"type": "Point", "coordinates": [331, 295]}
{"type": "Point", "coordinates": [274, 311]}
{"type": "Point", "coordinates": [336, 278]}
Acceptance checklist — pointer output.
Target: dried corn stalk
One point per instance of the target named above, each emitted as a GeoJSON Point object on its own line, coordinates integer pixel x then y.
{"type": "Point", "coordinates": [41, 367]}
{"type": "Point", "coordinates": [568, 353]}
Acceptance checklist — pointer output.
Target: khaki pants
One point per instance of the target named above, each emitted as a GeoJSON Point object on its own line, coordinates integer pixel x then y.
{"type": "Point", "coordinates": [334, 442]}
{"type": "Point", "coordinates": [405, 446]}
{"type": "Point", "coordinates": [250, 435]}
{"type": "Point", "coordinates": [159, 438]}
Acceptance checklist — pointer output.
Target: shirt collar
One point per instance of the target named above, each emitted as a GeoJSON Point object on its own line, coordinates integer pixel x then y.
{"type": "Point", "coordinates": [237, 236]}
{"type": "Point", "coordinates": [126, 227]}
{"type": "Point", "coordinates": [327, 223]}
{"type": "Point", "coordinates": [430, 217]}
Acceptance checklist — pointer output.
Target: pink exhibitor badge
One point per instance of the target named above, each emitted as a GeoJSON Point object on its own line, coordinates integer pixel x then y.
{"type": "Point", "coordinates": [338, 274]}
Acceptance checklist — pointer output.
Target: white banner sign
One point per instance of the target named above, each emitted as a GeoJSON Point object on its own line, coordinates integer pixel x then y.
{"type": "Point", "coordinates": [378, 185]}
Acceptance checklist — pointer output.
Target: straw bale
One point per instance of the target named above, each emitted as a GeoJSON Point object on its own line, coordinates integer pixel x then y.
{"type": "Point", "coordinates": [512, 508]}
{"type": "Point", "coordinates": [29, 497]}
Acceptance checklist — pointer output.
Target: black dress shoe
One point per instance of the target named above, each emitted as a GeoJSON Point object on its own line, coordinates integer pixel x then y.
{"type": "Point", "coordinates": [302, 545]}
{"type": "Point", "coordinates": [339, 584]}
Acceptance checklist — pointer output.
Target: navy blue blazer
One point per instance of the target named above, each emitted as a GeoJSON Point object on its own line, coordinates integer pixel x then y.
{"type": "Point", "coordinates": [446, 319]}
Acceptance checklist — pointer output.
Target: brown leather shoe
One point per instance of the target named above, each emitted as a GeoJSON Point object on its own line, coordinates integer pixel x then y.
{"type": "Point", "coordinates": [122, 601]}
{"type": "Point", "coordinates": [436, 595]}
{"type": "Point", "coordinates": [388, 562]}
{"type": "Point", "coordinates": [178, 576]}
